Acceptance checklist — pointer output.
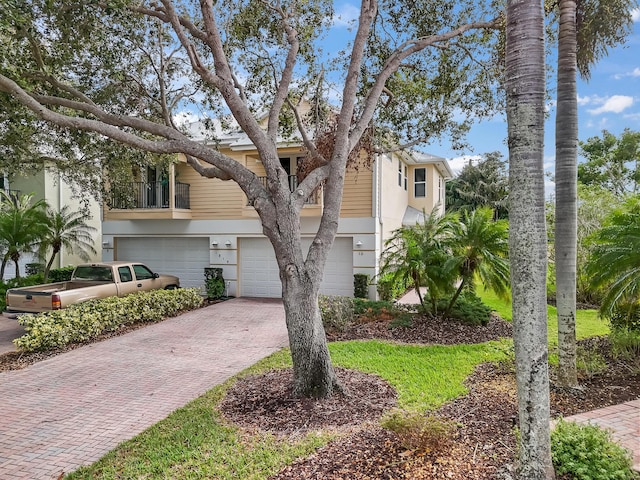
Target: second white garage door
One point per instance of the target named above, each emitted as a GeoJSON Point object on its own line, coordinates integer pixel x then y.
{"type": "Point", "coordinates": [259, 270]}
{"type": "Point", "coordinates": [183, 257]}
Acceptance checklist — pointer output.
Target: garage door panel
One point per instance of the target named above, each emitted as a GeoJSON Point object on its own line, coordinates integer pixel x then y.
{"type": "Point", "coordinates": [259, 275]}
{"type": "Point", "coordinates": [183, 257]}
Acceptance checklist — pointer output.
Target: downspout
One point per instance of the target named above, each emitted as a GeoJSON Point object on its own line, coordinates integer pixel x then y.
{"type": "Point", "coordinates": [379, 222]}
{"type": "Point", "coordinates": [60, 254]}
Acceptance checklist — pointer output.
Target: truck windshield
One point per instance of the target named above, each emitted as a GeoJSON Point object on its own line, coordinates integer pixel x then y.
{"type": "Point", "coordinates": [89, 272]}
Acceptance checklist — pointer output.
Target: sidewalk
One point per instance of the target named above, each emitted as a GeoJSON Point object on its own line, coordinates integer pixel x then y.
{"type": "Point", "coordinates": [70, 410]}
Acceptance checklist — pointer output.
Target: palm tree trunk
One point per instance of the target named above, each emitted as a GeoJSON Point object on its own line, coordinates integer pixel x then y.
{"type": "Point", "coordinates": [47, 269]}
{"type": "Point", "coordinates": [455, 297]}
{"type": "Point", "coordinates": [566, 194]}
{"type": "Point", "coordinates": [5, 259]}
{"type": "Point", "coordinates": [525, 86]}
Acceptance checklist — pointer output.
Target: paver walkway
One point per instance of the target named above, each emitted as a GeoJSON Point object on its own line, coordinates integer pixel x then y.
{"type": "Point", "coordinates": [70, 410]}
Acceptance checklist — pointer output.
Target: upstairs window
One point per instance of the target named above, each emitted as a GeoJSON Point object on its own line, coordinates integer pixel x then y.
{"type": "Point", "coordinates": [420, 182]}
{"type": "Point", "coordinates": [405, 177]}
{"type": "Point", "coordinates": [399, 173]}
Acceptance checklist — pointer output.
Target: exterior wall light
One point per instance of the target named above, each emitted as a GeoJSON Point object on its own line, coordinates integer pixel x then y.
{"type": "Point", "coordinates": [228, 243]}
{"type": "Point", "coordinates": [359, 244]}
{"type": "Point", "coordinates": [214, 243]}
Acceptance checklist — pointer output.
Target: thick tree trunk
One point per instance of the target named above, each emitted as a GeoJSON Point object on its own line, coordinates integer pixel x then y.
{"type": "Point", "coordinates": [566, 194]}
{"type": "Point", "coordinates": [525, 86]}
{"type": "Point", "coordinates": [313, 371]}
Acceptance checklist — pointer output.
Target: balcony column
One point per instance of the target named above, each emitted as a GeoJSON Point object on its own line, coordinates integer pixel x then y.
{"type": "Point", "coordinates": [172, 187]}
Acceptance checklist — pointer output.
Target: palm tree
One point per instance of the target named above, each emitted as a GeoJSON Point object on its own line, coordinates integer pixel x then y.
{"type": "Point", "coordinates": [586, 29]}
{"type": "Point", "coordinates": [481, 247]}
{"type": "Point", "coordinates": [525, 92]}
{"type": "Point", "coordinates": [69, 230]}
{"type": "Point", "coordinates": [22, 224]}
{"type": "Point", "coordinates": [566, 179]}
{"type": "Point", "coordinates": [418, 255]}
{"type": "Point", "coordinates": [615, 260]}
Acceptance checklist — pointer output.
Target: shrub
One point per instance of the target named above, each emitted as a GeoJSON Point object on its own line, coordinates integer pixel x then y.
{"type": "Point", "coordinates": [589, 362]}
{"type": "Point", "coordinates": [61, 274]}
{"type": "Point", "coordinates": [468, 309]}
{"type": "Point", "coordinates": [417, 431]}
{"type": "Point", "coordinates": [373, 308]}
{"type": "Point", "coordinates": [626, 317]}
{"type": "Point", "coordinates": [336, 312]}
{"type": "Point", "coordinates": [214, 283]}
{"type": "Point", "coordinates": [403, 320]}
{"type": "Point", "coordinates": [361, 285]}
{"type": "Point", "coordinates": [391, 288]}
{"type": "Point", "coordinates": [625, 344]}
{"type": "Point", "coordinates": [84, 321]}
{"type": "Point", "coordinates": [587, 452]}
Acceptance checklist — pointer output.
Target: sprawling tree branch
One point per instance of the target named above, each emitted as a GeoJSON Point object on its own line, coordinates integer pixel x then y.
{"type": "Point", "coordinates": [395, 60]}
{"type": "Point", "coordinates": [282, 88]}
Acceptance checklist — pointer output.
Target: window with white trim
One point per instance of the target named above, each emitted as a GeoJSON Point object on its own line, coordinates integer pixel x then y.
{"type": "Point", "coordinates": [420, 182]}
{"type": "Point", "coordinates": [405, 177]}
{"type": "Point", "coordinates": [399, 173]}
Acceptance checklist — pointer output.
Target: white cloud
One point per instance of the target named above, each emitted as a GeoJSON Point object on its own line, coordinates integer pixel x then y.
{"type": "Point", "coordinates": [184, 118]}
{"type": "Point", "coordinates": [633, 73]}
{"type": "Point", "coordinates": [346, 15]}
{"type": "Point", "coordinates": [585, 100]}
{"type": "Point", "coordinates": [457, 163]}
{"type": "Point", "coordinates": [635, 15]}
{"type": "Point", "coordinates": [614, 104]}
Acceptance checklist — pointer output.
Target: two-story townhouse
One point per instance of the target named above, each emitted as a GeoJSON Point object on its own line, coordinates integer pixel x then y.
{"type": "Point", "coordinates": [50, 186]}
{"type": "Point", "coordinates": [179, 222]}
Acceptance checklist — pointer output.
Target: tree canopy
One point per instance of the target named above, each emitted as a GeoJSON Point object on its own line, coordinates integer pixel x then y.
{"type": "Point", "coordinates": [483, 184]}
{"type": "Point", "coordinates": [612, 162]}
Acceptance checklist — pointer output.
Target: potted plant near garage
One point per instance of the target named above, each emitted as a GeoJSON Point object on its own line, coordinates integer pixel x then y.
{"type": "Point", "coordinates": [214, 284]}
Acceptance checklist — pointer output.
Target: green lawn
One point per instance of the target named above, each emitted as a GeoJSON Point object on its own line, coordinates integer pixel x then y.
{"type": "Point", "coordinates": [588, 324]}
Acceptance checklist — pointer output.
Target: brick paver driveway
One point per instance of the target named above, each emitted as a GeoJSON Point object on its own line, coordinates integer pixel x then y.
{"type": "Point", "coordinates": [70, 410]}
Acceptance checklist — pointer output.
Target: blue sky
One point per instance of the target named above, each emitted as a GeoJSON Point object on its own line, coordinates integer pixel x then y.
{"type": "Point", "coordinates": [609, 100]}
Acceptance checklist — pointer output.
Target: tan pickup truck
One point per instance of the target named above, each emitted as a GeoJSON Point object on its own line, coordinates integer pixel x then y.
{"type": "Point", "coordinates": [88, 282]}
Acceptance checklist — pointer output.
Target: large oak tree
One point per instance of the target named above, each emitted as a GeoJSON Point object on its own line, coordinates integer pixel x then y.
{"type": "Point", "coordinates": [120, 69]}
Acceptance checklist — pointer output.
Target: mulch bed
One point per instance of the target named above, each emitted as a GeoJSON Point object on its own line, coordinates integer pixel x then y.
{"type": "Point", "coordinates": [426, 330]}
{"type": "Point", "coordinates": [266, 402]}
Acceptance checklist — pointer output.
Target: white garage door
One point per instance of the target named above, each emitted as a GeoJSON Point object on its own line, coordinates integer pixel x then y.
{"type": "Point", "coordinates": [183, 257]}
{"type": "Point", "coordinates": [259, 270]}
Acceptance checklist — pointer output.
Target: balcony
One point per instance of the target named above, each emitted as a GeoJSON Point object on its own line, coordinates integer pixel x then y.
{"type": "Point", "coordinates": [150, 200]}
{"type": "Point", "coordinates": [312, 205]}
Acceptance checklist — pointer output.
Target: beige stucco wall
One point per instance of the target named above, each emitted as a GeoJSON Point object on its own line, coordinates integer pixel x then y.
{"type": "Point", "coordinates": [393, 197]}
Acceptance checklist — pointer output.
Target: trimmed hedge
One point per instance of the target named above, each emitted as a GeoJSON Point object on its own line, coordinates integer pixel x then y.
{"type": "Point", "coordinates": [84, 321]}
